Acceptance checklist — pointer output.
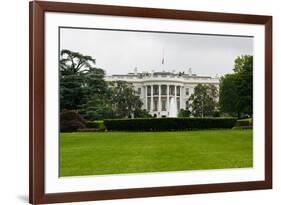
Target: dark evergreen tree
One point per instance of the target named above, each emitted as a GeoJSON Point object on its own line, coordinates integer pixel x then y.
{"type": "Point", "coordinates": [73, 69]}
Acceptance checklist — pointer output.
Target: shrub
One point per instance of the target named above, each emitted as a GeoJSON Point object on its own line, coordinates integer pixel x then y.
{"type": "Point", "coordinates": [97, 124]}
{"type": "Point", "coordinates": [184, 113]}
{"type": "Point", "coordinates": [166, 124]}
{"type": "Point", "coordinates": [139, 113]}
{"type": "Point", "coordinates": [71, 121]}
{"type": "Point", "coordinates": [244, 123]}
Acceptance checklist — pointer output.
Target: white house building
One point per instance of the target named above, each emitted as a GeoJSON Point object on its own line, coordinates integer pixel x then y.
{"type": "Point", "coordinates": [164, 93]}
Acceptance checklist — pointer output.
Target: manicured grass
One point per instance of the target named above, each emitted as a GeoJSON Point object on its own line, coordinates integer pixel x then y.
{"type": "Point", "coordinates": [95, 153]}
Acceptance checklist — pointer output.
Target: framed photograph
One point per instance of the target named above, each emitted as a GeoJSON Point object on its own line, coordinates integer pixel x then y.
{"type": "Point", "coordinates": [132, 102]}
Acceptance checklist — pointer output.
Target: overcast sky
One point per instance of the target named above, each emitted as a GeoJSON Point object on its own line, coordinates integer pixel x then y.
{"type": "Point", "coordinates": [119, 52]}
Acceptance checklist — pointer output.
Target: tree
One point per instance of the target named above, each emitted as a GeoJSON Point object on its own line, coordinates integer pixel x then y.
{"type": "Point", "coordinates": [73, 69]}
{"type": "Point", "coordinates": [72, 93]}
{"type": "Point", "coordinates": [94, 82]}
{"type": "Point", "coordinates": [124, 99]}
{"type": "Point", "coordinates": [74, 62]}
{"type": "Point", "coordinates": [97, 107]}
{"type": "Point", "coordinates": [97, 104]}
{"type": "Point", "coordinates": [228, 95]}
{"type": "Point", "coordinates": [236, 90]}
{"type": "Point", "coordinates": [245, 85]}
{"type": "Point", "coordinates": [203, 101]}
{"type": "Point", "coordinates": [83, 89]}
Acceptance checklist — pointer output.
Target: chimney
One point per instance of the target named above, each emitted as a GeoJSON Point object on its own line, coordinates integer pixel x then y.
{"type": "Point", "coordinates": [136, 71]}
{"type": "Point", "coordinates": [190, 72]}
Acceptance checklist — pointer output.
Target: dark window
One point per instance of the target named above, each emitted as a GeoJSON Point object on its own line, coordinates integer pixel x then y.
{"type": "Point", "coordinates": [148, 90]}
{"type": "Point", "coordinates": [187, 91]}
{"type": "Point", "coordinates": [155, 89]}
{"type": "Point", "coordinates": [178, 104]}
{"type": "Point", "coordinates": [178, 90]}
{"type": "Point", "coordinates": [186, 105]}
{"type": "Point", "coordinates": [163, 105]}
{"type": "Point", "coordinates": [155, 106]}
{"type": "Point", "coordinates": [139, 91]}
{"type": "Point", "coordinates": [148, 103]}
{"type": "Point", "coordinates": [163, 90]}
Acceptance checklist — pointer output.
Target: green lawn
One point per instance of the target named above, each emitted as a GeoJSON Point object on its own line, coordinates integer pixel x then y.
{"type": "Point", "coordinates": [95, 153]}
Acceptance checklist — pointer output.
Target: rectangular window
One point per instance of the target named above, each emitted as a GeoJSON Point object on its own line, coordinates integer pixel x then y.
{"type": "Point", "coordinates": [186, 91]}
{"type": "Point", "coordinates": [186, 105]}
{"type": "Point", "coordinates": [148, 90]}
{"type": "Point", "coordinates": [163, 105]}
{"type": "Point", "coordinates": [163, 90]}
{"type": "Point", "coordinates": [178, 103]}
{"type": "Point", "coordinates": [148, 104]}
{"type": "Point", "coordinates": [155, 106]}
{"type": "Point", "coordinates": [178, 90]}
{"type": "Point", "coordinates": [155, 90]}
{"type": "Point", "coordinates": [139, 91]}
{"type": "Point", "coordinates": [172, 90]}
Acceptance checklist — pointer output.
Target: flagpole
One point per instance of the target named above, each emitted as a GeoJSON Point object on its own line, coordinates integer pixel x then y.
{"type": "Point", "coordinates": [163, 59]}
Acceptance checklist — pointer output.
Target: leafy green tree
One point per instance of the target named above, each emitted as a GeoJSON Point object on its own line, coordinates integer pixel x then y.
{"type": "Point", "coordinates": [124, 100]}
{"type": "Point", "coordinates": [245, 85]}
{"type": "Point", "coordinates": [236, 90]}
{"type": "Point", "coordinates": [203, 102]}
{"type": "Point", "coordinates": [228, 94]}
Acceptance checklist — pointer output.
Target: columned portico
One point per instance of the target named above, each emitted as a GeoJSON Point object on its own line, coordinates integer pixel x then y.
{"type": "Point", "coordinates": [158, 98]}
{"type": "Point", "coordinates": [158, 90]}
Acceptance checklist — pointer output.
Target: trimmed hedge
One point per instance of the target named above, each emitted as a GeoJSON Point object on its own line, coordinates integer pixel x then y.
{"type": "Point", "coordinates": [167, 124]}
{"type": "Point", "coordinates": [244, 122]}
{"type": "Point", "coordinates": [98, 124]}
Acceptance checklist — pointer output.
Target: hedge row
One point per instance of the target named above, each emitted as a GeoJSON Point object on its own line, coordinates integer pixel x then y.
{"type": "Point", "coordinates": [244, 122]}
{"type": "Point", "coordinates": [98, 124]}
{"type": "Point", "coordinates": [167, 124]}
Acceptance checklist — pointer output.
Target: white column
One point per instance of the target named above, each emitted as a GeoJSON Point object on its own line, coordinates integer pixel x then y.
{"type": "Point", "coordinates": [151, 98]}
{"type": "Point", "coordinates": [159, 99]}
{"type": "Point", "coordinates": [181, 97]}
{"type": "Point", "coordinates": [168, 98]}
{"type": "Point", "coordinates": [145, 96]}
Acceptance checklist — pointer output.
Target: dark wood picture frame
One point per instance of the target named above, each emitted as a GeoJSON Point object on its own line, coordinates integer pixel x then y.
{"type": "Point", "coordinates": [37, 194]}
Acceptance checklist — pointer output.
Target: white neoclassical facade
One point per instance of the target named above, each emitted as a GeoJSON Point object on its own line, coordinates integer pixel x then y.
{"type": "Point", "coordinates": [164, 93]}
